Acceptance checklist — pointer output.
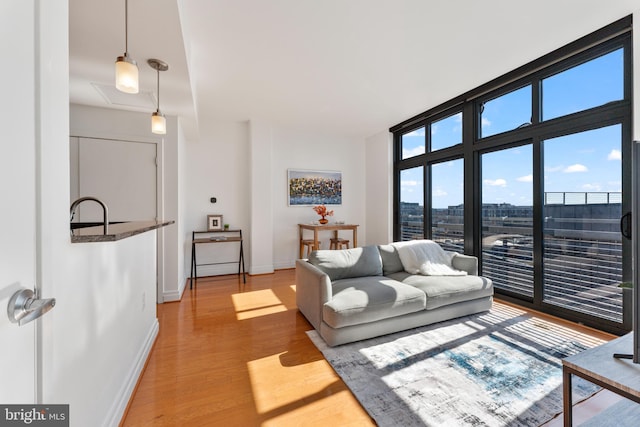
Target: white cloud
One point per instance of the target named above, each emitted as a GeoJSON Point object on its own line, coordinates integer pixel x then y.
{"type": "Point", "coordinates": [486, 122]}
{"type": "Point", "coordinates": [408, 183]}
{"type": "Point", "coordinates": [439, 193]}
{"type": "Point", "coordinates": [526, 178]}
{"type": "Point", "coordinates": [416, 151]}
{"type": "Point", "coordinates": [495, 182]}
{"type": "Point", "coordinates": [575, 168]}
{"type": "Point", "coordinates": [614, 155]}
{"type": "Point", "coordinates": [417, 132]}
{"type": "Point", "coordinates": [592, 187]}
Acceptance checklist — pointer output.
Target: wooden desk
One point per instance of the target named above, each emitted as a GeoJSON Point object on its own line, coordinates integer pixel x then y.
{"type": "Point", "coordinates": [216, 238]}
{"type": "Point", "coordinates": [327, 227]}
{"type": "Point", "coordinates": [597, 365]}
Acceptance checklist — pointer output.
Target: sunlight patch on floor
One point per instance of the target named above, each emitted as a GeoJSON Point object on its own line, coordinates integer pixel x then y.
{"type": "Point", "coordinates": [249, 305]}
{"type": "Point", "coordinates": [266, 373]}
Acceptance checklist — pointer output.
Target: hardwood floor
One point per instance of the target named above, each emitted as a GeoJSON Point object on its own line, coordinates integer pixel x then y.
{"type": "Point", "coordinates": [237, 355]}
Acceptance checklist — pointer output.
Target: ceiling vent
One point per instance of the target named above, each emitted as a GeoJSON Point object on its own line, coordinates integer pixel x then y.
{"type": "Point", "coordinates": [143, 100]}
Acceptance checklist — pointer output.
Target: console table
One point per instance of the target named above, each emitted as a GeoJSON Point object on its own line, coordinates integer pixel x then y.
{"type": "Point", "coordinates": [327, 227]}
{"type": "Point", "coordinates": [215, 237]}
{"type": "Point", "coordinates": [597, 365]}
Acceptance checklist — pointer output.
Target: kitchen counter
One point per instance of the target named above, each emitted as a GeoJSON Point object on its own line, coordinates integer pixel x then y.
{"type": "Point", "coordinates": [117, 231]}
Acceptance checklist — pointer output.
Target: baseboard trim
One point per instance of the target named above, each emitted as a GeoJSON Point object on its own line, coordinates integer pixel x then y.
{"type": "Point", "coordinates": [172, 296]}
{"type": "Point", "coordinates": [285, 265]}
{"type": "Point", "coordinates": [120, 406]}
{"type": "Point", "coordinates": [265, 269]}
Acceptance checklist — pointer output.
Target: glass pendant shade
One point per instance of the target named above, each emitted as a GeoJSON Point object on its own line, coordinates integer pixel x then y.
{"type": "Point", "coordinates": [126, 74]}
{"type": "Point", "coordinates": [158, 123]}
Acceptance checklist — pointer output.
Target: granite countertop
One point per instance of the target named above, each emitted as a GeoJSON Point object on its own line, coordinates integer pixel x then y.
{"type": "Point", "coordinates": [117, 231]}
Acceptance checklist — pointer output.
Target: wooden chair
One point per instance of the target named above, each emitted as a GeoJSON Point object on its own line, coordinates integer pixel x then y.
{"type": "Point", "coordinates": [308, 245]}
{"type": "Point", "coordinates": [338, 243]}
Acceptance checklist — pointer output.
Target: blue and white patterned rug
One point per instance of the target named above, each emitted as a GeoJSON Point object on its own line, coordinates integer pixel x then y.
{"type": "Point", "coordinates": [500, 368]}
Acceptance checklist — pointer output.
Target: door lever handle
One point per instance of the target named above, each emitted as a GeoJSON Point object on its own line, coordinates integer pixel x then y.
{"type": "Point", "coordinates": [23, 307]}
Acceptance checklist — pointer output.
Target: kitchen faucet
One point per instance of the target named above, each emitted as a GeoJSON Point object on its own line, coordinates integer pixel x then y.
{"type": "Point", "coordinates": [105, 211]}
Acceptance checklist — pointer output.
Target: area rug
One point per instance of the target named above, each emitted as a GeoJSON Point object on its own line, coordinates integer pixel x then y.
{"type": "Point", "coordinates": [499, 368]}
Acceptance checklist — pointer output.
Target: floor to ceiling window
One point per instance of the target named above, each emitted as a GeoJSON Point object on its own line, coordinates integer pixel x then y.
{"type": "Point", "coordinates": [531, 173]}
{"type": "Point", "coordinates": [412, 205]}
{"type": "Point", "coordinates": [582, 243]}
{"type": "Point", "coordinates": [507, 219]}
{"type": "Point", "coordinates": [447, 204]}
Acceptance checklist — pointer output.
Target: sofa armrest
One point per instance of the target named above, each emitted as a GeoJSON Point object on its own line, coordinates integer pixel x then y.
{"type": "Point", "coordinates": [468, 263]}
{"type": "Point", "coordinates": [313, 290]}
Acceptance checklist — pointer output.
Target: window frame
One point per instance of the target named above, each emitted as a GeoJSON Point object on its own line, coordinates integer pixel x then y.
{"type": "Point", "coordinates": [608, 39]}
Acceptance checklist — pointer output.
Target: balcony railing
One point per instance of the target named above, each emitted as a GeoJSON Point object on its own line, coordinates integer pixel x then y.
{"type": "Point", "coordinates": [581, 198]}
{"type": "Point", "coordinates": [581, 275]}
{"type": "Point", "coordinates": [581, 267]}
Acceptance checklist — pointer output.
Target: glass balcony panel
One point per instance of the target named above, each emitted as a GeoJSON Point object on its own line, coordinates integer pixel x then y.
{"type": "Point", "coordinates": [507, 219]}
{"type": "Point", "coordinates": [582, 244]}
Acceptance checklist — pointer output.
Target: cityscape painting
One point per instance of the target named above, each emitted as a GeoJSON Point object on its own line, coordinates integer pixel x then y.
{"type": "Point", "coordinates": [308, 188]}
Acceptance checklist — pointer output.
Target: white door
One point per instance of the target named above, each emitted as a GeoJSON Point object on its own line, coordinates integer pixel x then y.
{"type": "Point", "coordinates": [18, 192]}
{"type": "Point", "coordinates": [120, 173]}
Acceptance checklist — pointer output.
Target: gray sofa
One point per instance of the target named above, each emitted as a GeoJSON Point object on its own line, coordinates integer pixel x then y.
{"type": "Point", "coordinates": [354, 294]}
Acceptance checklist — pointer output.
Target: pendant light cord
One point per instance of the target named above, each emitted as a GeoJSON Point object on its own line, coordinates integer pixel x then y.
{"type": "Point", "coordinates": [126, 27]}
{"type": "Point", "coordinates": [158, 88]}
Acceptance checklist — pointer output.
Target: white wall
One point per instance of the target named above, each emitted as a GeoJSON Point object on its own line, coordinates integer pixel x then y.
{"type": "Point", "coordinates": [379, 203]}
{"type": "Point", "coordinates": [103, 326]}
{"type": "Point", "coordinates": [261, 171]}
{"type": "Point", "coordinates": [302, 150]}
{"type": "Point", "coordinates": [636, 75]}
{"type": "Point", "coordinates": [182, 238]}
{"type": "Point", "coordinates": [94, 343]}
{"type": "Point", "coordinates": [245, 166]}
{"type": "Point", "coordinates": [217, 166]}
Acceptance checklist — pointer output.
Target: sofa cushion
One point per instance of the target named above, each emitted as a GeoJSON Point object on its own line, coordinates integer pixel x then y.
{"type": "Point", "coordinates": [345, 263]}
{"type": "Point", "coordinates": [367, 299]}
{"type": "Point", "coordinates": [445, 290]}
{"type": "Point", "coordinates": [390, 259]}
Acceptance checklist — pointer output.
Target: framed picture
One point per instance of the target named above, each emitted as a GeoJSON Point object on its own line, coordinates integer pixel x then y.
{"type": "Point", "coordinates": [309, 188]}
{"type": "Point", "coordinates": [214, 222]}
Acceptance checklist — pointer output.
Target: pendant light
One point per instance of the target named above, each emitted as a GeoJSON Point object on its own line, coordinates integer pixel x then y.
{"type": "Point", "coordinates": [126, 67]}
{"type": "Point", "coordinates": [158, 122]}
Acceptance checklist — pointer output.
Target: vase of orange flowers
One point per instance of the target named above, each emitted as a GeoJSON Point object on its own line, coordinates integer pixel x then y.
{"type": "Point", "coordinates": [323, 212]}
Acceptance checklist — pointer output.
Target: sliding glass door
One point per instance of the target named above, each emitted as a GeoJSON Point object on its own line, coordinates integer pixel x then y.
{"type": "Point", "coordinates": [507, 219]}
{"type": "Point", "coordinates": [582, 208]}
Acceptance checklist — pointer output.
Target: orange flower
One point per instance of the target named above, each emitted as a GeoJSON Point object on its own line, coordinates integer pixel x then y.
{"type": "Point", "coordinates": [322, 211]}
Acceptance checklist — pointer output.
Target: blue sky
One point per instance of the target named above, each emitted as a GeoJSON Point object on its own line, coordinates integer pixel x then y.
{"type": "Point", "coordinates": [585, 162]}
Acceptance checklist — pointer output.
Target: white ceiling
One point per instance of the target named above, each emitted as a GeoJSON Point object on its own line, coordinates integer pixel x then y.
{"type": "Point", "coordinates": [348, 67]}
